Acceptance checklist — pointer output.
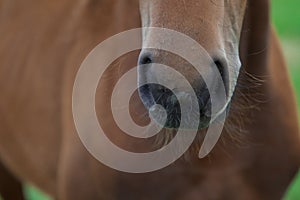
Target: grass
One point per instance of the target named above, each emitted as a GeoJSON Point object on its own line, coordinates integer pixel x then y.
{"type": "Point", "coordinates": [286, 18]}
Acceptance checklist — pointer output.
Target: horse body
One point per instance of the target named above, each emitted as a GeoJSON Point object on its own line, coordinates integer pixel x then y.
{"type": "Point", "coordinates": [31, 124]}
{"type": "Point", "coordinates": [41, 49]}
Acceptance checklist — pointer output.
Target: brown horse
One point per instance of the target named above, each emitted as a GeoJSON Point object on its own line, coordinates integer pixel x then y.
{"type": "Point", "coordinates": [42, 46]}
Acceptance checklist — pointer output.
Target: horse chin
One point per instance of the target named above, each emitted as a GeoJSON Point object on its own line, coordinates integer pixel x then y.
{"type": "Point", "coordinates": [190, 124]}
{"type": "Point", "coordinates": [187, 127]}
{"type": "Point", "coordinates": [177, 123]}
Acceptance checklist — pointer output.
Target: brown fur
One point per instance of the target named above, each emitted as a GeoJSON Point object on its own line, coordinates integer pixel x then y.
{"type": "Point", "coordinates": [42, 46]}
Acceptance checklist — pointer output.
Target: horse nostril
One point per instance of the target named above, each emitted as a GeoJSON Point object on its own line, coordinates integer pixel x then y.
{"type": "Point", "coordinates": [223, 73]}
{"type": "Point", "coordinates": [220, 68]}
{"type": "Point", "coordinates": [145, 59]}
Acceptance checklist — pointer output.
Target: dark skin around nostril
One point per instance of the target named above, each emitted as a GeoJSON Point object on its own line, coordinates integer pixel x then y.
{"type": "Point", "coordinates": [146, 59]}
{"type": "Point", "coordinates": [220, 67]}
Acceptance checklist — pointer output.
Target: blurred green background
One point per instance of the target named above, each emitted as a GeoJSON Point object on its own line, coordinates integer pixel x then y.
{"type": "Point", "coordinates": [286, 18]}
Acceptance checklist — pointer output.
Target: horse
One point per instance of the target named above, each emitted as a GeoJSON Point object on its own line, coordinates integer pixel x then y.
{"type": "Point", "coordinates": [42, 46]}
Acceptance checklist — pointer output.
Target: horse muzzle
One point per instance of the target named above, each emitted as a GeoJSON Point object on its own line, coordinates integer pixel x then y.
{"type": "Point", "coordinates": [176, 98]}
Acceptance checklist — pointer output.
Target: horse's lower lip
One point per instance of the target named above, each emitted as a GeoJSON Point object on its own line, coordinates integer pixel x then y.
{"type": "Point", "coordinates": [174, 121]}
{"type": "Point", "coordinates": [204, 123]}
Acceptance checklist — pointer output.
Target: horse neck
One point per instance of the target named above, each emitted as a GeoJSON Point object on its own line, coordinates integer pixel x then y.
{"type": "Point", "coordinates": [254, 37]}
